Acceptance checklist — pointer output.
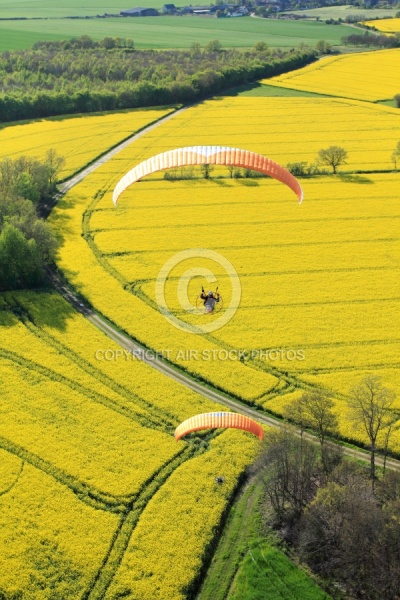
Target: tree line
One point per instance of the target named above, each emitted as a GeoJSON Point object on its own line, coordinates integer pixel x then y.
{"type": "Point", "coordinates": [339, 517]}
{"type": "Point", "coordinates": [334, 157]}
{"type": "Point", "coordinates": [375, 40]}
{"type": "Point", "coordinates": [81, 76]}
{"type": "Point", "coordinates": [27, 243]}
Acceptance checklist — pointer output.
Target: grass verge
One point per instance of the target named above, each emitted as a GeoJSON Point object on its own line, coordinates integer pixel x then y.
{"type": "Point", "coordinates": [247, 565]}
{"type": "Point", "coordinates": [261, 90]}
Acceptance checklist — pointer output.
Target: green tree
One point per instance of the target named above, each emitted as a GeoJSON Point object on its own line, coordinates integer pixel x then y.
{"type": "Point", "coordinates": [20, 263]}
{"type": "Point", "coordinates": [27, 243]}
{"type": "Point", "coordinates": [108, 43]}
{"type": "Point", "coordinates": [334, 156]}
{"type": "Point", "coordinates": [55, 163]}
{"type": "Point", "coordinates": [25, 187]}
{"type": "Point", "coordinates": [213, 46]}
{"type": "Point", "coordinates": [323, 47]}
{"type": "Point", "coordinates": [298, 169]}
{"type": "Point", "coordinates": [195, 49]}
{"type": "Point", "coordinates": [260, 47]}
{"type": "Point", "coordinates": [261, 11]}
{"type": "Point", "coordinates": [206, 170]}
{"type": "Point", "coordinates": [231, 171]}
{"type": "Point", "coordinates": [396, 155]}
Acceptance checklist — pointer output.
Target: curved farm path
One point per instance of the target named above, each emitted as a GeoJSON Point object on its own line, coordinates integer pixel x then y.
{"type": "Point", "coordinates": [69, 183]}
{"type": "Point", "coordinates": [142, 353]}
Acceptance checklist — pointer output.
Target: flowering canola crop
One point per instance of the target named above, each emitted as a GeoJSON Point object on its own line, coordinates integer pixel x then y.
{"type": "Point", "coordinates": [319, 297]}
{"type": "Point", "coordinates": [78, 139]}
{"type": "Point", "coordinates": [175, 518]}
{"type": "Point", "coordinates": [84, 443]}
{"type": "Point", "coordinates": [385, 25]}
{"type": "Point", "coordinates": [365, 76]}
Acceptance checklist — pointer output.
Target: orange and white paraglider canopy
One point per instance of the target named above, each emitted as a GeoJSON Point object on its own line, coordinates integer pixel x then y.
{"type": "Point", "coordinates": [213, 155]}
{"type": "Point", "coordinates": [218, 420]}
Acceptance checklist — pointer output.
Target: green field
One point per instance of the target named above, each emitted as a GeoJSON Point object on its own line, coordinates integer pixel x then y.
{"type": "Point", "coordinates": [262, 90]}
{"type": "Point", "coordinates": [342, 11]}
{"type": "Point", "coordinates": [173, 32]}
{"type": "Point", "coordinates": [249, 566]}
{"type": "Point", "coordinates": [50, 8]}
{"type": "Point", "coordinates": [14, 40]}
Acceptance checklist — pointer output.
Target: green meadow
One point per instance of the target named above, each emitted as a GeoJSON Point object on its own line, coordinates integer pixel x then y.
{"type": "Point", "coordinates": [172, 32]}
{"type": "Point", "coordinates": [342, 11]}
{"type": "Point", "coordinates": [247, 564]}
{"type": "Point", "coordinates": [67, 8]}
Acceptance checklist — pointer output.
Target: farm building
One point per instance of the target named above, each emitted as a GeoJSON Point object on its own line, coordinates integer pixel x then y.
{"type": "Point", "coordinates": [227, 7]}
{"type": "Point", "coordinates": [169, 9]}
{"type": "Point", "coordinates": [198, 10]}
{"type": "Point", "coordinates": [139, 12]}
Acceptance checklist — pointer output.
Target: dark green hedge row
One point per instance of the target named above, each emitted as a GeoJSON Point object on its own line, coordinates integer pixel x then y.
{"type": "Point", "coordinates": [33, 100]}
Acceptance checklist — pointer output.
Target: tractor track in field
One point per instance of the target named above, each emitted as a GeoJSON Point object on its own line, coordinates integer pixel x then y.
{"type": "Point", "coordinates": [162, 419]}
{"type": "Point", "coordinates": [141, 352]}
{"type": "Point", "coordinates": [206, 390]}
{"type": "Point", "coordinates": [129, 518]}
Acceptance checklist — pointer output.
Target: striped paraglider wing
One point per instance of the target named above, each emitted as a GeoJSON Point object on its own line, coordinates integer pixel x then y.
{"type": "Point", "coordinates": [213, 155]}
{"type": "Point", "coordinates": [218, 420]}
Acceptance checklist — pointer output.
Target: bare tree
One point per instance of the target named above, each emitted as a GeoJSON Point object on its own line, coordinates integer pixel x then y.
{"type": "Point", "coordinates": [371, 408]}
{"type": "Point", "coordinates": [390, 426]}
{"type": "Point", "coordinates": [291, 473]}
{"type": "Point", "coordinates": [334, 156]}
{"type": "Point", "coordinates": [296, 412]}
{"type": "Point", "coordinates": [318, 409]}
{"type": "Point", "coordinates": [340, 536]}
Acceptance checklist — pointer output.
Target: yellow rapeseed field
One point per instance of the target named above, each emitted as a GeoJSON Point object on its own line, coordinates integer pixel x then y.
{"type": "Point", "coordinates": [86, 437]}
{"type": "Point", "coordinates": [78, 139]}
{"type": "Point", "coordinates": [365, 76]}
{"type": "Point", "coordinates": [319, 295]}
{"type": "Point", "coordinates": [174, 519]}
{"type": "Point", "coordinates": [320, 277]}
{"type": "Point", "coordinates": [52, 543]}
{"type": "Point", "coordinates": [385, 25]}
{"type": "Point", "coordinates": [90, 472]}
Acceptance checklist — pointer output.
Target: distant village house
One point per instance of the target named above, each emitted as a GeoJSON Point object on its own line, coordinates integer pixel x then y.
{"type": "Point", "coordinates": [139, 12]}
{"type": "Point", "coordinates": [229, 10]}
{"type": "Point", "coordinates": [169, 9]}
